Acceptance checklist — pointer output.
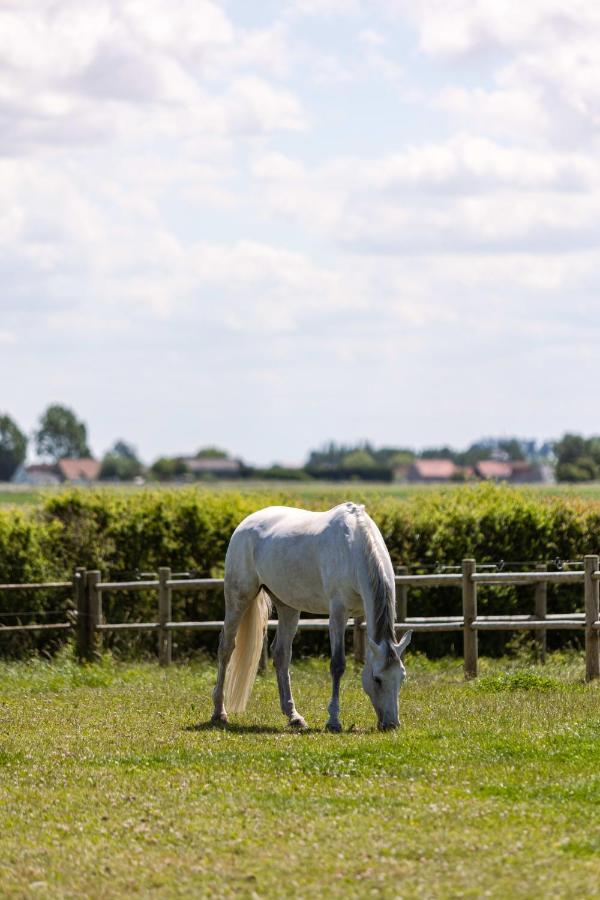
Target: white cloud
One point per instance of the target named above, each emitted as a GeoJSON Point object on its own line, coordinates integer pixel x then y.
{"type": "Point", "coordinates": [499, 113]}
{"type": "Point", "coordinates": [468, 194]}
{"type": "Point", "coordinates": [191, 26]}
{"type": "Point", "coordinates": [74, 74]}
{"type": "Point", "coordinates": [541, 58]}
{"type": "Point", "coordinates": [463, 27]}
{"type": "Point", "coordinates": [256, 106]}
{"type": "Point", "coordinates": [324, 7]}
{"type": "Point", "coordinates": [310, 208]}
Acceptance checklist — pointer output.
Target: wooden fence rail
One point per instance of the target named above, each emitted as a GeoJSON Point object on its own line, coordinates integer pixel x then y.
{"type": "Point", "coordinates": [89, 625]}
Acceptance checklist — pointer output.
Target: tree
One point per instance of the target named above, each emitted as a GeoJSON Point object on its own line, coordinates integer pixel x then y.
{"type": "Point", "coordinates": [61, 435]}
{"type": "Point", "coordinates": [401, 458]}
{"type": "Point", "coordinates": [212, 453]}
{"type": "Point", "coordinates": [125, 450]}
{"type": "Point", "coordinates": [394, 456]}
{"type": "Point", "coordinates": [13, 447]}
{"type": "Point", "coordinates": [583, 470]}
{"type": "Point", "coordinates": [121, 463]}
{"type": "Point", "coordinates": [437, 453]}
{"type": "Point", "coordinates": [577, 458]}
{"type": "Point", "coordinates": [570, 448]}
{"type": "Point", "coordinates": [166, 467]}
{"type": "Point", "coordinates": [358, 459]}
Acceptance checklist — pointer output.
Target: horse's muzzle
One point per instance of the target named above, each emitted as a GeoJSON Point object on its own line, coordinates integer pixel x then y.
{"type": "Point", "coordinates": [387, 726]}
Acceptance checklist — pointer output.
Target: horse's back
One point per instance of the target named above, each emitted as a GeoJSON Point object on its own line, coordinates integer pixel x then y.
{"type": "Point", "coordinates": [295, 552]}
{"type": "Point", "coordinates": [289, 522]}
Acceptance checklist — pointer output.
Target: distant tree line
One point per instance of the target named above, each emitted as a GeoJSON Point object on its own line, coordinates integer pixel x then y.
{"type": "Point", "coordinates": [577, 458]}
{"type": "Point", "coordinates": [61, 434]}
{"type": "Point", "coordinates": [339, 461]}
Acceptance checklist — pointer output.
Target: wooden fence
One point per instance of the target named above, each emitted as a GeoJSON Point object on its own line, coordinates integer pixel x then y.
{"type": "Point", "coordinates": [88, 623]}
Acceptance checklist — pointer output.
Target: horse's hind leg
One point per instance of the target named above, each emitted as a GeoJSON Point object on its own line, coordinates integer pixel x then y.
{"type": "Point", "coordinates": [236, 604]}
{"type": "Point", "coordinates": [287, 623]}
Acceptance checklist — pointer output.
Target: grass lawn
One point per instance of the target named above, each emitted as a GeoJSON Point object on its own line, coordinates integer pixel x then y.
{"type": "Point", "coordinates": [298, 492]}
{"type": "Point", "coordinates": [13, 496]}
{"type": "Point", "coordinates": [111, 785]}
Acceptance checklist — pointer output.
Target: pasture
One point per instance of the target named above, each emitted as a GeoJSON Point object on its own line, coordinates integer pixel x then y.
{"type": "Point", "coordinates": [111, 784]}
{"type": "Point", "coordinates": [299, 492]}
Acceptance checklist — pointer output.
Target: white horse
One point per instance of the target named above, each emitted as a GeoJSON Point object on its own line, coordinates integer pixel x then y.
{"type": "Point", "coordinates": [333, 562]}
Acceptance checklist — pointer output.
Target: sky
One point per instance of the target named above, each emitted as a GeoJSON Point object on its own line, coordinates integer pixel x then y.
{"type": "Point", "coordinates": [269, 225]}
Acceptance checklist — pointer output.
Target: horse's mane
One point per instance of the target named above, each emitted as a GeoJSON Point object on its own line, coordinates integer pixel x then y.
{"type": "Point", "coordinates": [384, 605]}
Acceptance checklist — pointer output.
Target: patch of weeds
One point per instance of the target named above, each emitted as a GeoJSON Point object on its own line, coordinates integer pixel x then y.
{"type": "Point", "coordinates": [63, 673]}
{"type": "Point", "coordinates": [8, 759]}
{"type": "Point", "coordinates": [580, 849]}
{"type": "Point", "coordinates": [508, 682]}
{"type": "Point", "coordinates": [419, 665]}
{"type": "Point", "coordinates": [511, 793]}
{"type": "Point", "coordinates": [157, 760]}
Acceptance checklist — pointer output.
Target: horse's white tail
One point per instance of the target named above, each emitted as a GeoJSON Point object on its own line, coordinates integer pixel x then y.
{"type": "Point", "coordinates": [243, 664]}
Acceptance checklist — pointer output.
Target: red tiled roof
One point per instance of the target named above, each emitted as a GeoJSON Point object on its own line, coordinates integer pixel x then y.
{"type": "Point", "coordinates": [494, 468]}
{"type": "Point", "coordinates": [85, 469]}
{"type": "Point", "coordinates": [434, 468]}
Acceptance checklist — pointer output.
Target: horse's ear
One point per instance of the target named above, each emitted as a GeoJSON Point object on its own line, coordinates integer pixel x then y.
{"type": "Point", "coordinates": [403, 644]}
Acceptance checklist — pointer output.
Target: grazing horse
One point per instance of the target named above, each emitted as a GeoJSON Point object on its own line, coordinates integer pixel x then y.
{"type": "Point", "coordinates": [333, 562]}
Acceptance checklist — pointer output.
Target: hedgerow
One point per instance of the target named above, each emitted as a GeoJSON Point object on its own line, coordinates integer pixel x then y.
{"type": "Point", "coordinates": [124, 534]}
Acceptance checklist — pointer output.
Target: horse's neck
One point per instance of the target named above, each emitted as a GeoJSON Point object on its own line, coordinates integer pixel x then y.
{"type": "Point", "coordinates": [374, 595]}
{"type": "Point", "coordinates": [369, 612]}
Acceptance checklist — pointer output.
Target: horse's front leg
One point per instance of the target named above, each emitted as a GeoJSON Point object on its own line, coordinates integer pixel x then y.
{"type": "Point", "coordinates": [337, 636]}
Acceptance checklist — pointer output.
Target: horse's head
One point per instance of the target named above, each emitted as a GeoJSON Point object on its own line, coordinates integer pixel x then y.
{"type": "Point", "coordinates": [382, 678]}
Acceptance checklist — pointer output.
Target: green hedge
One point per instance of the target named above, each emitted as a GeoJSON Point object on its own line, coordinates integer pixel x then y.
{"type": "Point", "coordinates": [124, 533]}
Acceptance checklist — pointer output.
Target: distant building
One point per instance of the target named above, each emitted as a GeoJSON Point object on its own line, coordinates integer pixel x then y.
{"type": "Point", "coordinates": [212, 467]}
{"type": "Point", "coordinates": [37, 475]}
{"type": "Point", "coordinates": [432, 471]}
{"type": "Point", "coordinates": [71, 471]}
{"type": "Point", "coordinates": [438, 471]}
{"type": "Point", "coordinates": [494, 470]}
{"type": "Point", "coordinates": [517, 471]}
{"type": "Point", "coordinates": [532, 473]}
{"type": "Point", "coordinates": [79, 471]}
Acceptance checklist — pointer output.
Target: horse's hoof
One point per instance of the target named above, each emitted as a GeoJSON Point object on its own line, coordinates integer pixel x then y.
{"type": "Point", "coordinates": [298, 723]}
{"type": "Point", "coordinates": [219, 720]}
{"type": "Point", "coordinates": [333, 727]}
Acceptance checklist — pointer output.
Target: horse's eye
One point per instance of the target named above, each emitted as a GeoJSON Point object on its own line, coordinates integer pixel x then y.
{"type": "Point", "coordinates": [377, 680]}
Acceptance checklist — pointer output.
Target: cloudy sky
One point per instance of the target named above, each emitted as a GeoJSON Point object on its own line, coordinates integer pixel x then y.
{"type": "Point", "coordinates": [265, 225]}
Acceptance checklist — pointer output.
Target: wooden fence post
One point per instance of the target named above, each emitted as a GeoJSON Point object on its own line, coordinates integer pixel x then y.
{"type": "Point", "coordinates": [359, 639]}
{"type": "Point", "coordinates": [165, 638]}
{"type": "Point", "coordinates": [81, 624]}
{"type": "Point", "coordinates": [402, 596]}
{"type": "Point", "coordinates": [94, 616]}
{"type": "Point", "coordinates": [592, 636]}
{"type": "Point", "coordinates": [469, 602]}
{"type": "Point", "coordinates": [541, 608]}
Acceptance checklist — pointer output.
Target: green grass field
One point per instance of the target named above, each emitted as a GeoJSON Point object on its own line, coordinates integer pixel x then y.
{"type": "Point", "coordinates": [110, 785]}
{"type": "Point", "coordinates": [333, 492]}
